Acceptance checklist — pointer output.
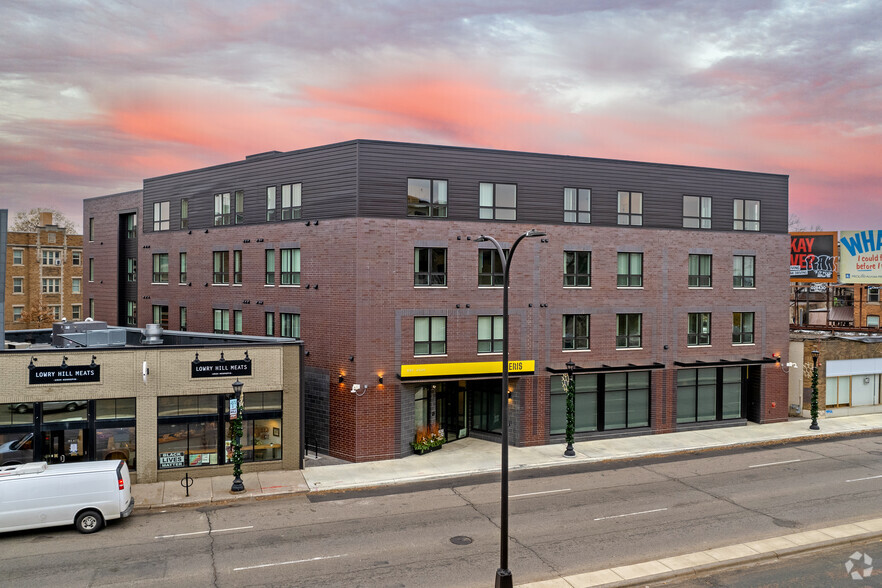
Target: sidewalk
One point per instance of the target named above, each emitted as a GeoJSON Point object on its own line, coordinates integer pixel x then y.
{"type": "Point", "coordinates": [473, 456]}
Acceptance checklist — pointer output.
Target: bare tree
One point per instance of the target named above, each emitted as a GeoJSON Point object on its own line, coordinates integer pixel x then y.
{"type": "Point", "coordinates": [794, 225]}
{"type": "Point", "coordinates": [27, 222]}
{"type": "Point", "coordinates": [38, 316]}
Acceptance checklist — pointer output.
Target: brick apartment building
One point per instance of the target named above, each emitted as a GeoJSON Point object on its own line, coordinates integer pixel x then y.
{"type": "Point", "coordinates": [44, 268]}
{"type": "Point", "coordinates": [664, 284]}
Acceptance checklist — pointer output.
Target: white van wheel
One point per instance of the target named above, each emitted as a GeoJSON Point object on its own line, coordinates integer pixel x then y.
{"type": "Point", "coordinates": [89, 521]}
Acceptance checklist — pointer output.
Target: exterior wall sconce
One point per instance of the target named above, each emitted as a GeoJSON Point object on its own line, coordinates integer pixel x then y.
{"type": "Point", "coordinates": [340, 379]}
{"type": "Point", "coordinates": [380, 379]}
{"type": "Point", "coordinates": [351, 358]}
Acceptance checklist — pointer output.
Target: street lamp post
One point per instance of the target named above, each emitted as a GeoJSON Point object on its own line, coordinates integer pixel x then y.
{"type": "Point", "coordinates": [236, 434]}
{"type": "Point", "coordinates": [571, 409]}
{"type": "Point", "coordinates": [503, 574]}
{"type": "Point", "coordinates": [814, 426]}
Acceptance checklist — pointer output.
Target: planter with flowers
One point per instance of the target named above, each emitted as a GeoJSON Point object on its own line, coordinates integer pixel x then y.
{"type": "Point", "coordinates": [427, 439]}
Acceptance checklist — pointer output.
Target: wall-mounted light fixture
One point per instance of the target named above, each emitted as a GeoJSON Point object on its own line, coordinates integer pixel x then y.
{"type": "Point", "coordinates": [351, 358]}
{"type": "Point", "coordinates": [315, 222]}
{"type": "Point", "coordinates": [91, 365]}
{"type": "Point", "coordinates": [340, 379]}
{"type": "Point", "coordinates": [64, 361]}
{"type": "Point", "coordinates": [380, 378]}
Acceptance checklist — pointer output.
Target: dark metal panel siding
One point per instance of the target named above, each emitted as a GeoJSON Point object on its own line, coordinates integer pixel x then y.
{"type": "Point", "coordinates": [384, 169]}
{"type": "Point", "coordinates": [327, 175]}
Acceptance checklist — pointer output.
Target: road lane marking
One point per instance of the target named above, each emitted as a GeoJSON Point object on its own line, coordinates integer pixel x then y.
{"type": "Point", "coordinates": [862, 479]}
{"type": "Point", "coordinates": [538, 493]}
{"type": "Point", "coordinates": [762, 465]}
{"type": "Point", "coordinates": [204, 532]}
{"type": "Point", "coordinates": [630, 514]}
{"type": "Point", "coordinates": [285, 563]}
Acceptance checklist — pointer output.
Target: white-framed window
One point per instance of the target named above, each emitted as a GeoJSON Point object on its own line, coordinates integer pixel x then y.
{"type": "Point", "coordinates": [56, 311]}
{"type": "Point", "coordinates": [76, 312]}
{"type": "Point", "coordinates": [18, 285]}
{"type": "Point", "coordinates": [76, 257]}
{"type": "Point", "coordinates": [51, 285]}
{"type": "Point", "coordinates": [18, 257]}
{"type": "Point", "coordinates": [16, 313]}
{"type": "Point", "coordinates": [76, 285]}
{"type": "Point", "coordinates": [51, 257]}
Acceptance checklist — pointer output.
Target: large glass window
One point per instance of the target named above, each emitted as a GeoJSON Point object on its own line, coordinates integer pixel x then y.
{"type": "Point", "coordinates": [747, 215]}
{"type": "Point", "coordinates": [131, 313]}
{"type": "Point", "coordinates": [239, 217]}
{"type": "Point", "coordinates": [429, 266]}
{"type": "Point", "coordinates": [270, 320]}
{"type": "Point", "coordinates": [187, 444]}
{"type": "Point", "coordinates": [491, 270]}
{"type": "Point", "coordinates": [237, 322]}
{"type": "Point", "coordinates": [131, 225]}
{"type": "Point", "coordinates": [700, 271]}
{"type": "Point", "coordinates": [270, 203]}
{"type": "Point", "coordinates": [586, 404]}
{"type": "Point", "coordinates": [628, 330]}
{"type": "Point", "coordinates": [221, 320]}
{"type": "Point", "coordinates": [290, 267]}
{"type": "Point", "coordinates": [160, 315]}
{"type": "Point", "coordinates": [222, 209]}
{"type": "Point", "coordinates": [160, 268]}
{"type": "Point", "coordinates": [426, 197]}
{"type": "Point", "coordinates": [429, 335]}
{"type": "Point", "coordinates": [697, 212]}
{"type": "Point", "coordinates": [742, 327]}
{"type": "Point", "coordinates": [708, 394]}
{"type": "Point", "coordinates": [576, 331]}
{"type": "Point", "coordinates": [160, 217]}
{"type": "Point", "coordinates": [237, 266]}
{"type": "Point", "coordinates": [699, 328]}
{"type": "Point", "coordinates": [291, 201]}
{"type": "Point", "coordinates": [290, 325]}
{"type": "Point", "coordinates": [626, 400]}
{"type": "Point", "coordinates": [51, 285]}
{"type": "Point", "coordinates": [490, 334]}
{"type": "Point", "coordinates": [743, 271]}
{"type": "Point", "coordinates": [577, 268]}
{"type": "Point", "coordinates": [51, 257]}
{"type": "Point", "coordinates": [131, 269]}
{"type": "Point", "coordinates": [630, 208]}
{"type": "Point", "coordinates": [630, 270]}
{"type": "Point", "coordinates": [498, 201]}
{"type": "Point", "coordinates": [221, 267]}
{"type": "Point", "coordinates": [577, 205]}
{"type": "Point", "coordinates": [270, 255]}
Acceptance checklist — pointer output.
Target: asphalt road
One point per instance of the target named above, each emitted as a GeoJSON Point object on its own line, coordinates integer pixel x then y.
{"type": "Point", "coordinates": [562, 522]}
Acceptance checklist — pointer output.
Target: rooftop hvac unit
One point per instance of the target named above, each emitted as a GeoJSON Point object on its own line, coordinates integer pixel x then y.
{"type": "Point", "coordinates": [152, 335]}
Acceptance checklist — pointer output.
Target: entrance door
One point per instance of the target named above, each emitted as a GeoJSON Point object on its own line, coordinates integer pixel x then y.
{"type": "Point", "coordinates": [451, 403]}
{"type": "Point", "coordinates": [64, 446]}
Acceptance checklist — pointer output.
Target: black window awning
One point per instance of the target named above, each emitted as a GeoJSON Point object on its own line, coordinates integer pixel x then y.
{"type": "Point", "coordinates": [608, 368]}
{"type": "Point", "coordinates": [725, 362]}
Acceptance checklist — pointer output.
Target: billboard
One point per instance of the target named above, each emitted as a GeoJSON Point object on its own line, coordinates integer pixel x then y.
{"type": "Point", "coordinates": [861, 257]}
{"type": "Point", "coordinates": [813, 257]}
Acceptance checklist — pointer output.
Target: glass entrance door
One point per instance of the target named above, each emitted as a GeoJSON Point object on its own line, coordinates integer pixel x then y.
{"type": "Point", "coordinates": [451, 403]}
{"type": "Point", "coordinates": [64, 445]}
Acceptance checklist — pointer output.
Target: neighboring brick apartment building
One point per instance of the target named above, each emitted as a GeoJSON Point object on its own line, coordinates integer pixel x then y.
{"type": "Point", "coordinates": [43, 267]}
{"type": "Point", "coordinates": [666, 285]}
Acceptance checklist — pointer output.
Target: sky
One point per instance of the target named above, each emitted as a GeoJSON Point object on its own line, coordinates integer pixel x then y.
{"type": "Point", "coordinates": [95, 96]}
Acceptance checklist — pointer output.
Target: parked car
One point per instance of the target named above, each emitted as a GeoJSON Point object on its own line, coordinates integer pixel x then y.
{"type": "Point", "coordinates": [17, 451]}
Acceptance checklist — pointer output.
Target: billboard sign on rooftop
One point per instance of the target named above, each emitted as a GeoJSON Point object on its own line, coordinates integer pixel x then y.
{"type": "Point", "coordinates": [813, 257]}
{"type": "Point", "coordinates": [861, 257]}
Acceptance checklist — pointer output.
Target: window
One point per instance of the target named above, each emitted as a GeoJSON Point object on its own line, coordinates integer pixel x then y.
{"type": "Point", "coordinates": [191, 443]}
{"type": "Point", "coordinates": [289, 325]}
{"type": "Point", "coordinates": [56, 311]}
{"type": "Point", "coordinates": [221, 320]}
{"type": "Point", "coordinates": [490, 334]}
{"type": "Point", "coordinates": [498, 201]}
{"type": "Point", "coordinates": [628, 331]}
{"type": "Point", "coordinates": [873, 295]}
{"type": "Point", "coordinates": [270, 267]}
{"type": "Point", "coordinates": [240, 207]}
{"type": "Point", "coordinates": [577, 268]}
{"type": "Point", "coordinates": [290, 267]}
{"type": "Point", "coordinates": [747, 215]}
{"type": "Point", "coordinates": [743, 271]}
{"type": "Point", "coordinates": [131, 312]}
{"type": "Point", "coordinates": [586, 390]}
{"type": "Point", "coordinates": [131, 269]}
{"type": "Point", "coordinates": [51, 285]}
{"type": "Point", "coordinates": [51, 257]}
{"type": "Point", "coordinates": [92, 307]}
{"type": "Point", "coordinates": [430, 335]}
{"type": "Point", "coordinates": [18, 257]}
{"type": "Point", "coordinates": [76, 312]}
{"type": "Point", "coordinates": [630, 270]}
{"type": "Point", "coordinates": [18, 285]}
{"type": "Point", "coordinates": [576, 330]}
{"type": "Point", "coordinates": [75, 286]}
{"type": "Point", "coordinates": [182, 257]}
{"type": "Point", "coordinates": [699, 327]}
{"type": "Point", "coordinates": [160, 268]}
{"type": "Point", "coordinates": [270, 319]}
{"type": "Point", "coordinates": [697, 212]}
{"type": "Point", "coordinates": [221, 264]}
{"type": "Point", "coordinates": [222, 209]}
{"type": "Point", "coordinates": [182, 317]}
{"type": "Point", "coordinates": [873, 321]}
{"type": "Point", "coordinates": [270, 203]}
{"type": "Point", "coordinates": [91, 269]}
{"type": "Point", "coordinates": [160, 315]}
{"type": "Point", "coordinates": [91, 229]}
{"type": "Point", "coordinates": [429, 266]}
{"type": "Point", "coordinates": [626, 400]}
{"type": "Point", "coordinates": [185, 213]}
{"type": "Point", "coordinates": [160, 216]}
{"type": "Point", "coordinates": [699, 271]}
{"type": "Point", "coordinates": [742, 327]}
{"type": "Point", "coordinates": [76, 258]}
{"type": "Point", "coordinates": [291, 195]}
{"type": "Point", "coordinates": [131, 225]}
{"type": "Point", "coordinates": [630, 208]}
{"type": "Point", "coordinates": [708, 394]}
{"type": "Point", "coordinates": [237, 266]}
{"type": "Point", "coordinates": [577, 205]}
{"type": "Point", "coordinates": [16, 313]}
{"type": "Point", "coordinates": [491, 270]}
{"type": "Point", "coordinates": [237, 322]}
{"type": "Point", "coordinates": [426, 197]}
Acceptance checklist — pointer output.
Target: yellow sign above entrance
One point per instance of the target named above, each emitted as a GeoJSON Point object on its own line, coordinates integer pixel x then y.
{"type": "Point", "coordinates": [476, 368]}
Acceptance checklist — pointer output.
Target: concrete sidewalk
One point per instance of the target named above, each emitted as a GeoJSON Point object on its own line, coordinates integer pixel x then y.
{"type": "Point", "coordinates": [473, 456]}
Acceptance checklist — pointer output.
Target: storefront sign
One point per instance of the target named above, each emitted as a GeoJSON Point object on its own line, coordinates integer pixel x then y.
{"type": "Point", "coordinates": [64, 374]}
{"type": "Point", "coordinates": [477, 368]}
{"type": "Point", "coordinates": [861, 257]}
{"type": "Point", "coordinates": [234, 409]}
{"type": "Point", "coordinates": [813, 257]}
{"type": "Point", "coordinates": [171, 460]}
{"type": "Point", "coordinates": [211, 369]}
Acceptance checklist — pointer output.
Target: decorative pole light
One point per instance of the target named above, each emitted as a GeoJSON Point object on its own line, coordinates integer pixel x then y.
{"type": "Point", "coordinates": [569, 381]}
{"type": "Point", "coordinates": [814, 426]}
{"type": "Point", "coordinates": [236, 434]}
{"type": "Point", "coordinates": [503, 574]}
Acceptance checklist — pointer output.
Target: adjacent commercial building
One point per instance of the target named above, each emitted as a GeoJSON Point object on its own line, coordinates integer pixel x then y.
{"type": "Point", "coordinates": [664, 285]}
{"type": "Point", "coordinates": [44, 276]}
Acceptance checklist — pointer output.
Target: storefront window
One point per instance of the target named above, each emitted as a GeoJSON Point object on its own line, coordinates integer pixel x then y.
{"type": "Point", "coordinates": [421, 408]}
{"type": "Point", "coordinates": [66, 411]}
{"type": "Point", "coordinates": [586, 404]}
{"type": "Point", "coordinates": [261, 440]}
{"type": "Point", "coordinates": [115, 408]}
{"type": "Point", "coordinates": [17, 413]}
{"type": "Point", "coordinates": [187, 444]}
{"type": "Point", "coordinates": [626, 400]}
{"type": "Point", "coordinates": [486, 410]}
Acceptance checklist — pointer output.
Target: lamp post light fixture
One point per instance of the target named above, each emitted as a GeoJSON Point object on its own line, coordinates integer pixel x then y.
{"type": "Point", "coordinates": [503, 574]}
{"type": "Point", "coordinates": [570, 382]}
{"type": "Point", "coordinates": [814, 426]}
{"type": "Point", "coordinates": [236, 434]}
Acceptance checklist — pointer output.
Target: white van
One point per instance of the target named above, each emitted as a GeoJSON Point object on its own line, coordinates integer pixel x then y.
{"type": "Point", "coordinates": [85, 494]}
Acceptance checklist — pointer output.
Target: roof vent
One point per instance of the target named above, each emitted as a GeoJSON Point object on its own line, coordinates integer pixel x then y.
{"type": "Point", "coordinates": [152, 335]}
